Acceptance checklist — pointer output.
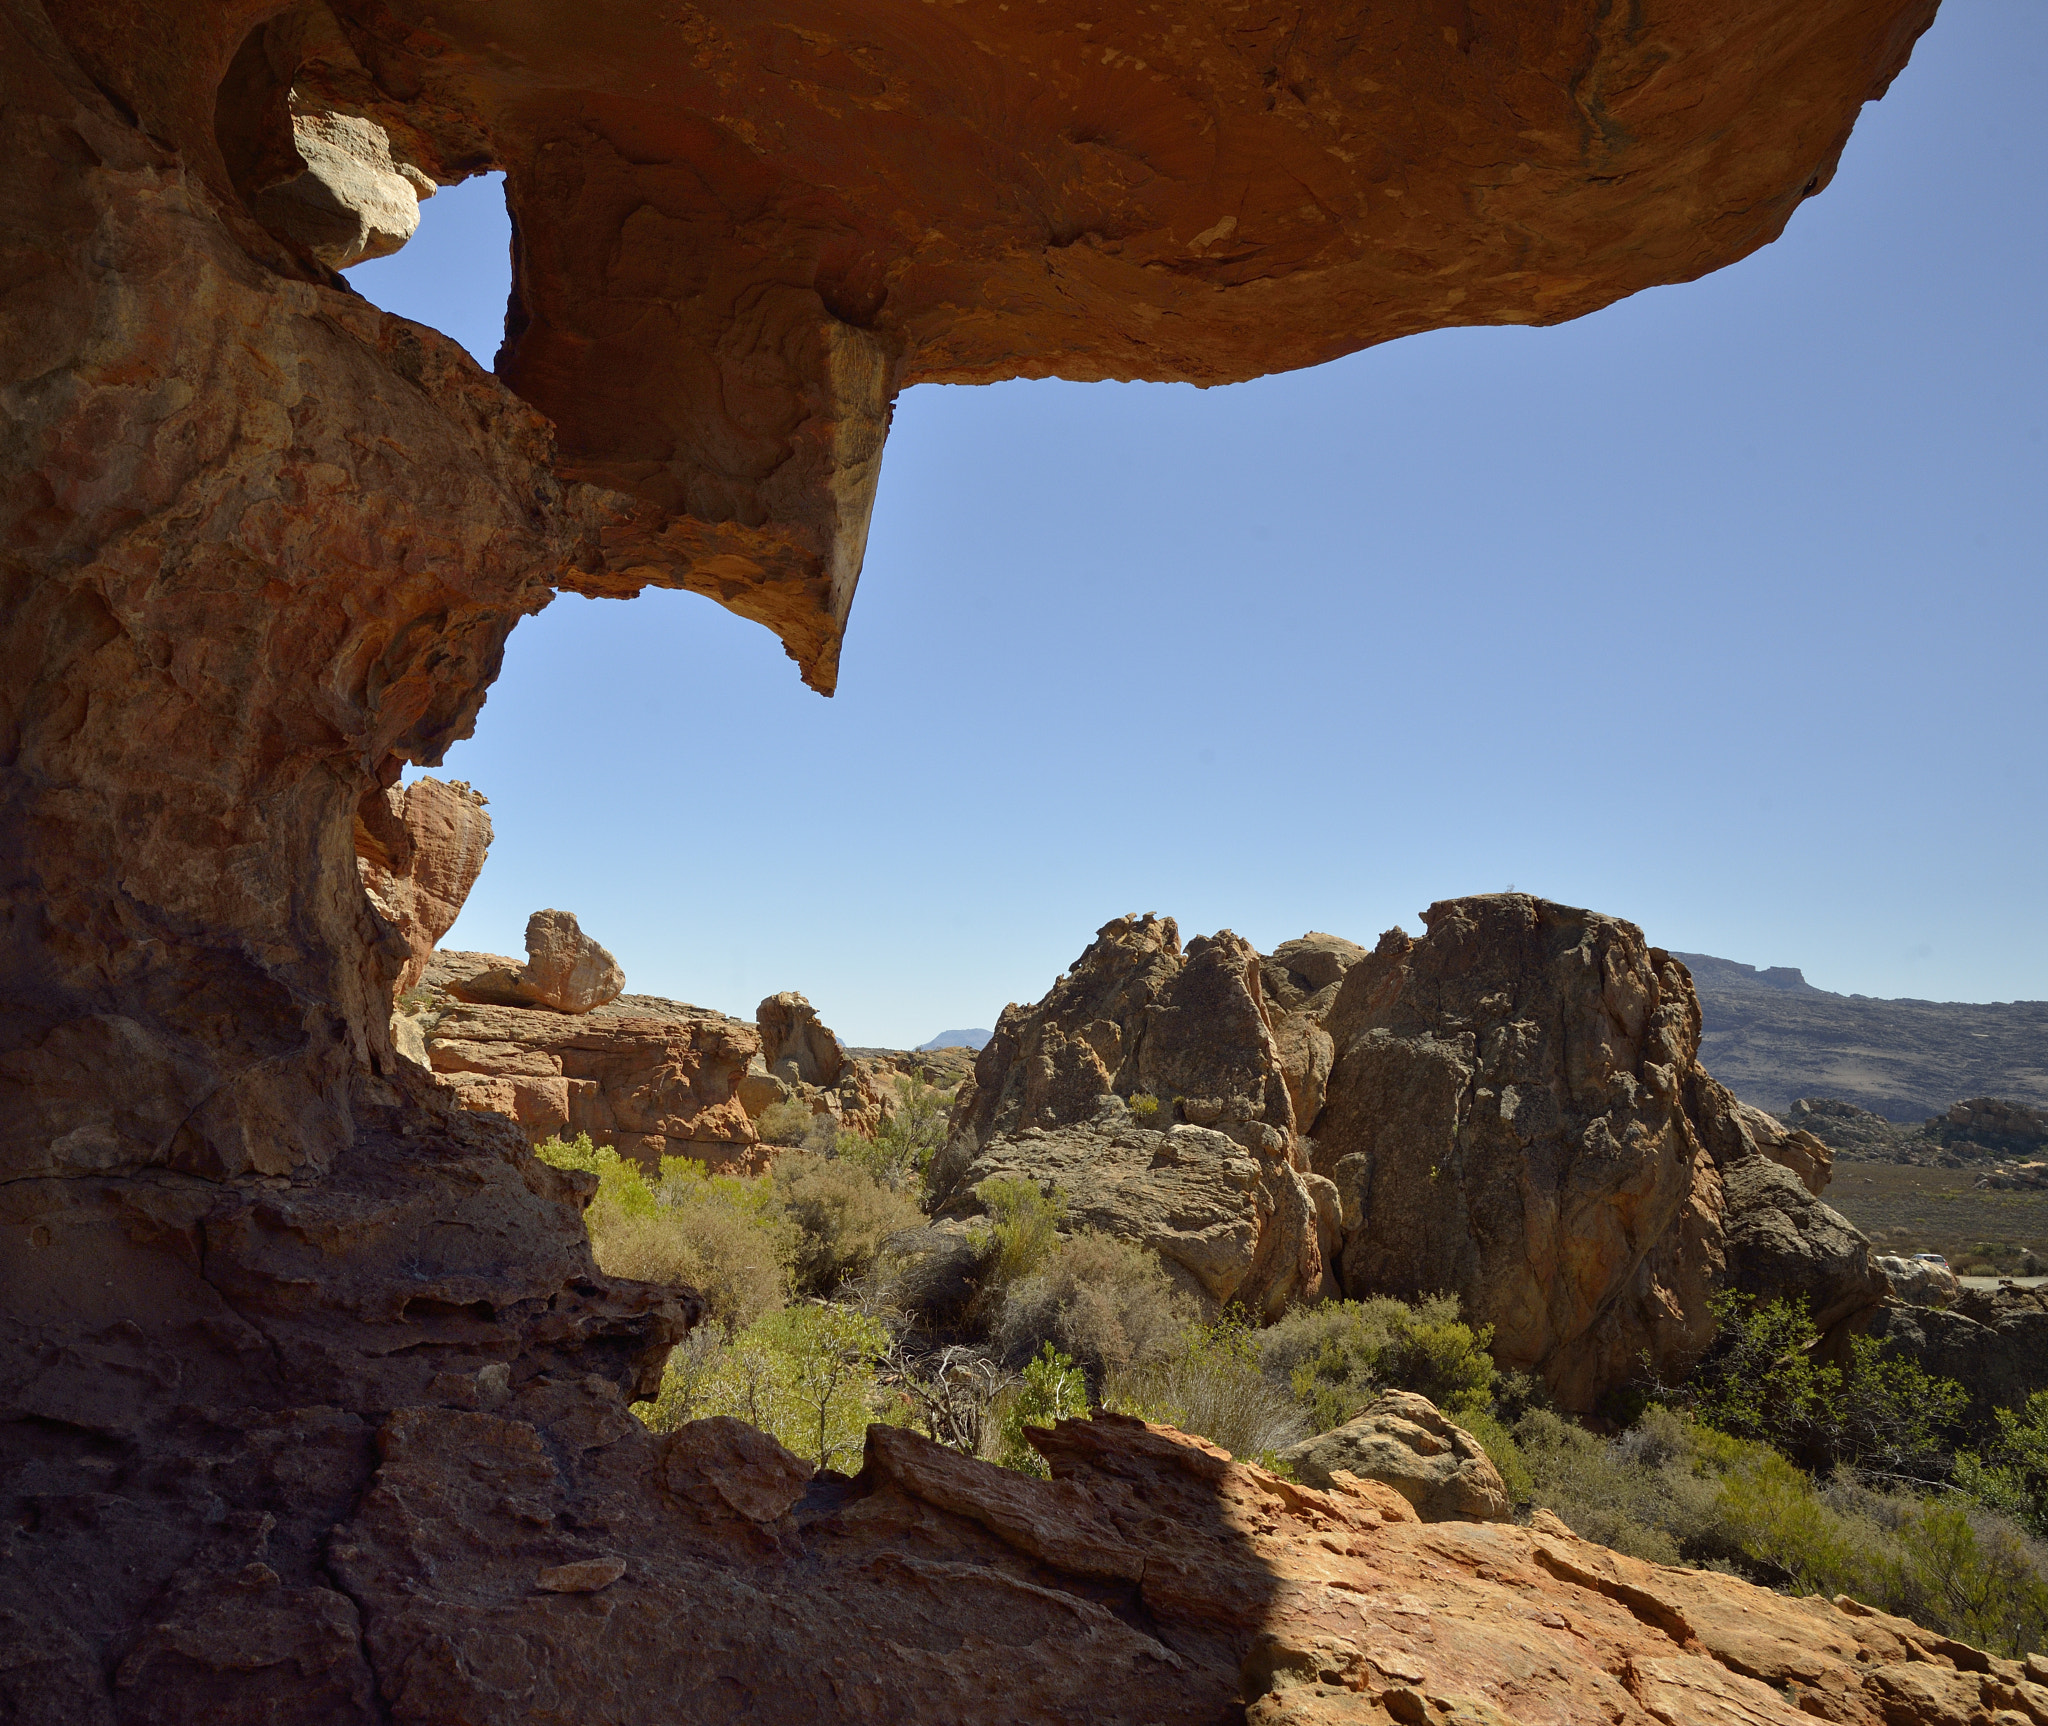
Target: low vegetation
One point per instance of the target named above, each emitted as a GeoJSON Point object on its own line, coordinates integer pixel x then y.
{"type": "Point", "coordinates": [837, 1302]}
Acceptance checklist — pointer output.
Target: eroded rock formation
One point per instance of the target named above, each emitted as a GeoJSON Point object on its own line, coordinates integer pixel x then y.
{"type": "Point", "coordinates": [262, 545]}
{"type": "Point", "coordinates": [1516, 1110]}
{"type": "Point", "coordinates": [565, 971]}
{"type": "Point", "coordinates": [1511, 1108]}
{"type": "Point", "coordinates": [651, 1078]}
{"type": "Point", "coordinates": [1217, 1182]}
{"type": "Point", "coordinates": [420, 848]}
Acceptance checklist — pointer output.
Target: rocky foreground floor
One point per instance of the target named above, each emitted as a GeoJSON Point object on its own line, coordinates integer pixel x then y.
{"type": "Point", "coordinates": [708, 1575]}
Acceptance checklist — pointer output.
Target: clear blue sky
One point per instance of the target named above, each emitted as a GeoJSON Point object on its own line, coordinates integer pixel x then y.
{"type": "Point", "coordinates": [1722, 610]}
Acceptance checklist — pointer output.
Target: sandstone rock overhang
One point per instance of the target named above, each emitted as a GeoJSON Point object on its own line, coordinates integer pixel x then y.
{"type": "Point", "coordinates": [740, 230]}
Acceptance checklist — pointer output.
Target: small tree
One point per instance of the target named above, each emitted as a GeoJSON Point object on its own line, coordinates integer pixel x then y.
{"type": "Point", "coordinates": [1052, 1388]}
{"type": "Point", "coordinates": [1766, 1380]}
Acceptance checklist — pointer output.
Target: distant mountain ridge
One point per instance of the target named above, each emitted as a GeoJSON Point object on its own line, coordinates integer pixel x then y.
{"type": "Point", "coordinates": [970, 1039]}
{"type": "Point", "coordinates": [1772, 1037]}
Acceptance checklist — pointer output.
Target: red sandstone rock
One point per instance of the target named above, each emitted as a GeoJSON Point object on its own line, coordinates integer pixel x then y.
{"type": "Point", "coordinates": [650, 1078]}
{"type": "Point", "coordinates": [420, 848]}
{"type": "Point", "coordinates": [261, 545]}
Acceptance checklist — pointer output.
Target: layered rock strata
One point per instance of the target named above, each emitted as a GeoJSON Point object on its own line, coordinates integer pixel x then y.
{"type": "Point", "coordinates": [649, 1077]}
{"type": "Point", "coordinates": [262, 545]}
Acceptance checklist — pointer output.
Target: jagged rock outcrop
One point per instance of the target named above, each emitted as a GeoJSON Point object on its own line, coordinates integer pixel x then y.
{"type": "Point", "coordinates": [1516, 1111]}
{"type": "Point", "coordinates": [420, 848]}
{"type": "Point", "coordinates": [1511, 1108]}
{"type": "Point", "coordinates": [262, 545]}
{"type": "Point", "coordinates": [565, 971]}
{"type": "Point", "coordinates": [1402, 1440]}
{"type": "Point", "coordinates": [1217, 1182]}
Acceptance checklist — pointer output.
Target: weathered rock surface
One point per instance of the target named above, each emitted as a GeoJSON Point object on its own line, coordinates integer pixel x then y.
{"type": "Point", "coordinates": [262, 545]}
{"type": "Point", "coordinates": [1152, 1579]}
{"type": "Point", "coordinates": [1217, 1182]}
{"type": "Point", "coordinates": [420, 848]}
{"type": "Point", "coordinates": [649, 1077]}
{"type": "Point", "coordinates": [796, 1046]}
{"type": "Point", "coordinates": [565, 971]}
{"type": "Point", "coordinates": [1511, 1108]}
{"type": "Point", "coordinates": [1917, 1282]}
{"type": "Point", "coordinates": [1993, 1342]}
{"type": "Point", "coordinates": [1516, 1111]}
{"type": "Point", "coordinates": [1403, 1441]}
{"type": "Point", "coordinates": [1230, 1224]}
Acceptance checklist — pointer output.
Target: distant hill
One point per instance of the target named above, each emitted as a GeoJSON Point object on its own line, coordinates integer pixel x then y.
{"type": "Point", "coordinates": [955, 1040]}
{"type": "Point", "coordinates": [1770, 1037]}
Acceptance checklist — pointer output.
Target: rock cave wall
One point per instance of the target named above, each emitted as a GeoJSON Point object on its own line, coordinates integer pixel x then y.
{"type": "Point", "coordinates": [263, 545]}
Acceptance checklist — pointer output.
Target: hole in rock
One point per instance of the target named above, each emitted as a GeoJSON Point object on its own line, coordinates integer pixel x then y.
{"type": "Point", "coordinates": [455, 274]}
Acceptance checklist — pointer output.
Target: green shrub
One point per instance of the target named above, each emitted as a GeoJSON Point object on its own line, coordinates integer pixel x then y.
{"type": "Point", "coordinates": [1107, 1304]}
{"type": "Point", "coordinates": [1644, 1496]}
{"type": "Point", "coordinates": [722, 1235]}
{"type": "Point", "coordinates": [1497, 1439]}
{"type": "Point", "coordinates": [1143, 1106]}
{"type": "Point", "coordinates": [1337, 1357]}
{"type": "Point", "coordinates": [1050, 1388]}
{"type": "Point", "coordinates": [2011, 1475]}
{"type": "Point", "coordinates": [1213, 1385]}
{"type": "Point", "coordinates": [784, 1123]}
{"type": "Point", "coordinates": [1021, 1231]}
{"type": "Point", "coordinates": [842, 1215]}
{"type": "Point", "coordinates": [1765, 1380]}
{"type": "Point", "coordinates": [807, 1376]}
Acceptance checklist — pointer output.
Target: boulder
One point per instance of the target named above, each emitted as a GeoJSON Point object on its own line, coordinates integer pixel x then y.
{"type": "Point", "coordinates": [1917, 1282]}
{"type": "Point", "coordinates": [1993, 1342]}
{"type": "Point", "coordinates": [1404, 1442]}
{"type": "Point", "coordinates": [797, 1046]}
{"type": "Point", "coordinates": [1515, 1111]}
{"type": "Point", "coordinates": [565, 971]}
{"type": "Point", "coordinates": [1231, 1225]}
{"type": "Point", "coordinates": [419, 850]}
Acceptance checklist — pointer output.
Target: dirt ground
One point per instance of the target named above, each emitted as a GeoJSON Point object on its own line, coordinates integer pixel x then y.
{"type": "Point", "coordinates": [1904, 1209]}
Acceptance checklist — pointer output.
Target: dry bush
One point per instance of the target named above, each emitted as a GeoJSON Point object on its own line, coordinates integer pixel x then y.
{"type": "Point", "coordinates": [734, 1262]}
{"type": "Point", "coordinates": [932, 1275]}
{"type": "Point", "coordinates": [783, 1123]}
{"type": "Point", "coordinates": [842, 1215]}
{"type": "Point", "coordinates": [1106, 1304]}
{"type": "Point", "coordinates": [1212, 1385]}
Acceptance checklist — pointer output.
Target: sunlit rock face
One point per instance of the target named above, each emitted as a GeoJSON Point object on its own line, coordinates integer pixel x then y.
{"type": "Point", "coordinates": [261, 545]}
